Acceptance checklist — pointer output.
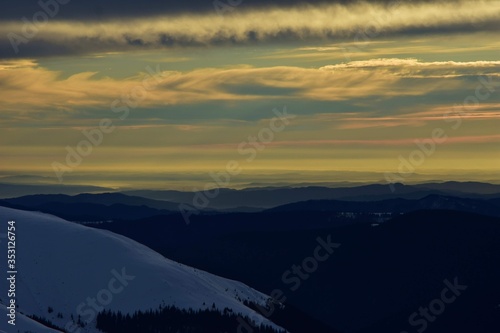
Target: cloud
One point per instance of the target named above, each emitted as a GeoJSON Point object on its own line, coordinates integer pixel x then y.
{"type": "Point", "coordinates": [415, 68]}
{"type": "Point", "coordinates": [306, 22]}
{"type": "Point", "coordinates": [99, 10]}
{"type": "Point", "coordinates": [15, 64]}
{"type": "Point", "coordinates": [27, 88]}
{"type": "Point", "coordinates": [387, 142]}
{"type": "Point", "coordinates": [412, 62]}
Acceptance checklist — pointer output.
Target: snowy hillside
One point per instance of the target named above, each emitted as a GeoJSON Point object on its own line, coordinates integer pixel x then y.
{"type": "Point", "coordinates": [66, 270]}
{"type": "Point", "coordinates": [23, 324]}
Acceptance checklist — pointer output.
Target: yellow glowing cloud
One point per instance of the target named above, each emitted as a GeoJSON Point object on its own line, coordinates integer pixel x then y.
{"type": "Point", "coordinates": [24, 86]}
{"type": "Point", "coordinates": [322, 21]}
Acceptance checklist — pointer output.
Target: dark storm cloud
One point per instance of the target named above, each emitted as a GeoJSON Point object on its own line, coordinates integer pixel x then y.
{"type": "Point", "coordinates": [31, 37]}
{"type": "Point", "coordinates": [99, 9]}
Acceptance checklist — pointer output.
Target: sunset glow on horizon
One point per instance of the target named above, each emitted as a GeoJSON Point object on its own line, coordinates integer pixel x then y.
{"type": "Point", "coordinates": [305, 93]}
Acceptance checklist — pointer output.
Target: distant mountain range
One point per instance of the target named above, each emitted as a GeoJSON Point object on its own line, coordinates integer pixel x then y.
{"type": "Point", "coordinates": [365, 199]}
{"type": "Point", "coordinates": [10, 190]}
{"type": "Point", "coordinates": [396, 206]}
{"type": "Point", "coordinates": [249, 199]}
{"type": "Point", "coordinates": [272, 197]}
{"type": "Point", "coordinates": [92, 207]}
{"type": "Point", "coordinates": [396, 250]}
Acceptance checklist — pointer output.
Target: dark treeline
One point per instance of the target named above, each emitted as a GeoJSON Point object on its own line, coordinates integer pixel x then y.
{"type": "Point", "coordinates": [45, 322]}
{"type": "Point", "coordinates": [169, 319]}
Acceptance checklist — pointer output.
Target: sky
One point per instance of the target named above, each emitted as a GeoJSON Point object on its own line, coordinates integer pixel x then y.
{"type": "Point", "coordinates": [173, 94]}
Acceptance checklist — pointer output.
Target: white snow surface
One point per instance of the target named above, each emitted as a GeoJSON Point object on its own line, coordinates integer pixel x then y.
{"type": "Point", "coordinates": [61, 264]}
{"type": "Point", "coordinates": [23, 324]}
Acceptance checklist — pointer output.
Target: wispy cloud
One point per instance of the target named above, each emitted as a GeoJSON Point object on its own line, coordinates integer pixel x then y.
{"type": "Point", "coordinates": [412, 67]}
{"type": "Point", "coordinates": [26, 87]}
{"type": "Point", "coordinates": [256, 25]}
{"type": "Point", "coordinates": [412, 62]}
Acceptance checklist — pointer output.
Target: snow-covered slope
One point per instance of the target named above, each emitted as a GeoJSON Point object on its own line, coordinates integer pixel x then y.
{"type": "Point", "coordinates": [23, 324]}
{"type": "Point", "coordinates": [76, 270]}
